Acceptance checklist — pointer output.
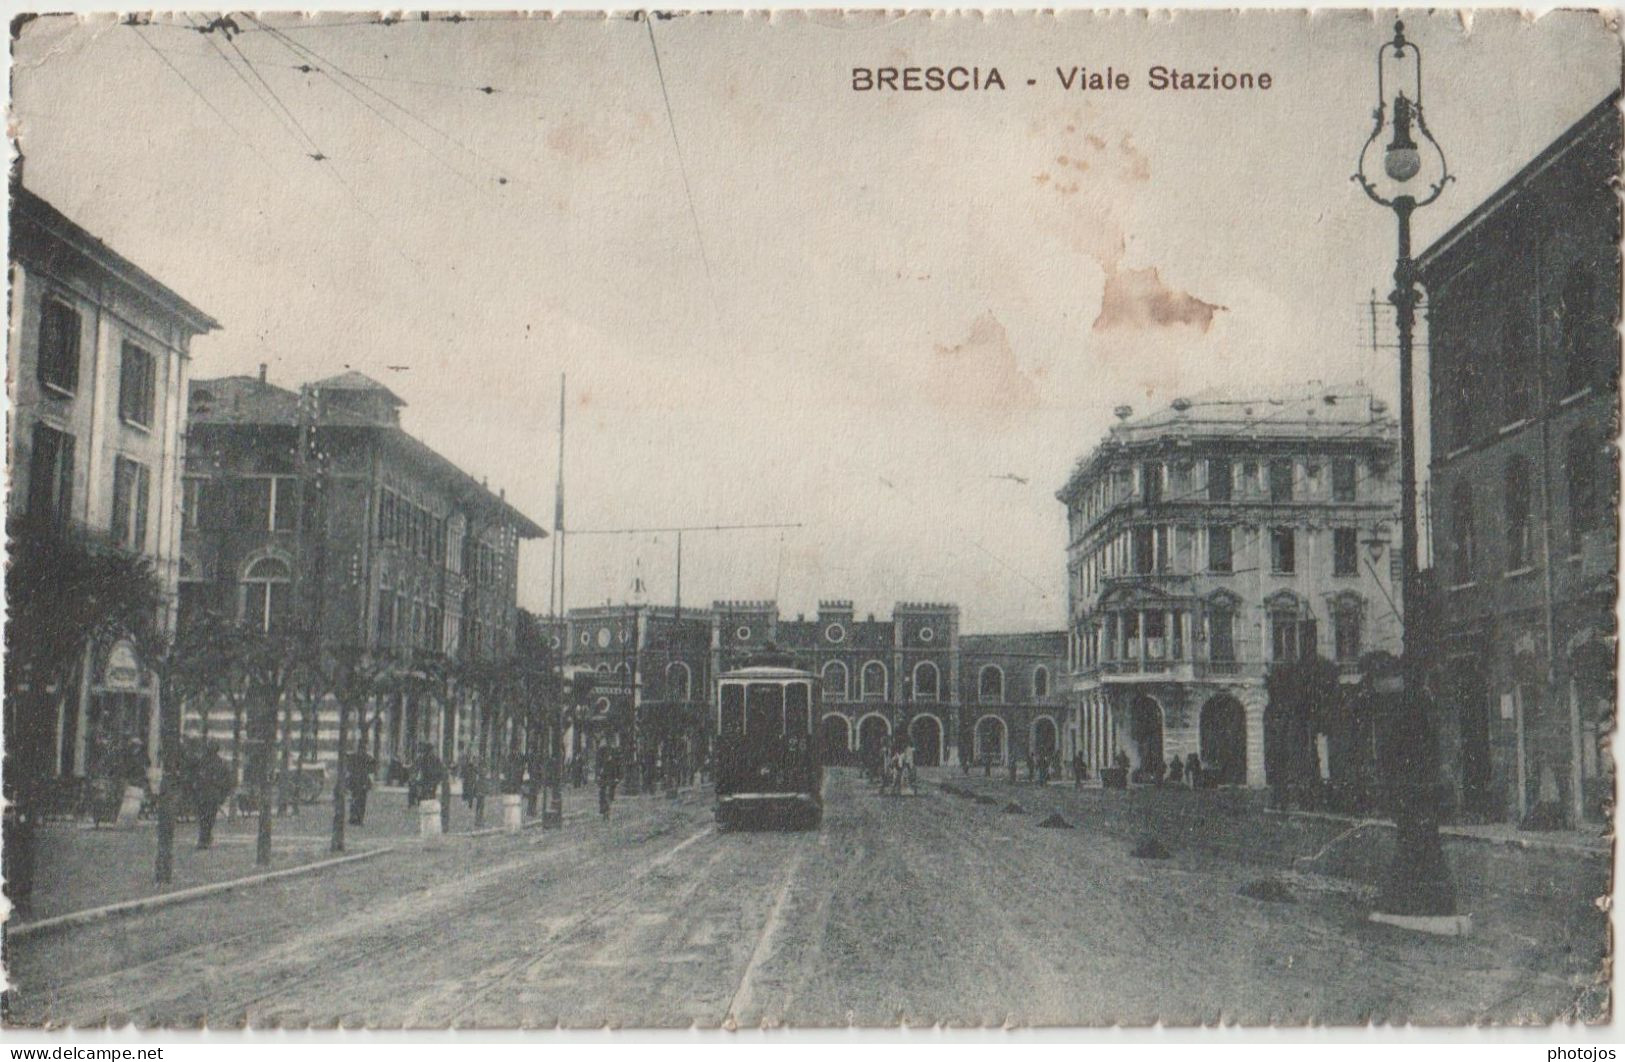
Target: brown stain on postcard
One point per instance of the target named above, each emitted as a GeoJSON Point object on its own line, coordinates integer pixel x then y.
{"type": "Point", "coordinates": [981, 374]}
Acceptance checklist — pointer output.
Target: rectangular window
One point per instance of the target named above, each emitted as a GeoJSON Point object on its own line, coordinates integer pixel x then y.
{"type": "Point", "coordinates": [50, 476]}
{"type": "Point", "coordinates": [1346, 551]}
{"type": "Point", "coordinates": [1346, 634]}
{"type": "Point", "coordinates": [1164, 543]}
{"type": "Point", "coordinates": [1176, 635]}
{"type": "Point", "coordinates": [1151, 482]}
{"type": "Point", "coordinates": [1219, 558]}
{"type": "Point", "coordinates": [132, 489]}
{"type": "Point", "coordinates": [381, 618]}
{"type": "Point", "coordinates": [284, 504]}
{"type": "Point", "coordinates": [1280, 481]}
{"type": "Point", "coordinates": [1520, 529]}
{"type": "Point", "coordinates": [1284, 637]}
{"type": "Point", "coordinates": [1131, 635]}
{"type": "Point", "coordinates": [1220, 481]}
{"type": "Point", "coordinates": [1156, 634]}
{"type": "Point", "coordinates": [59, 346]}
{"type": "Point", "coordinates": [1343, 478]}
{"type": "Point", "coordinates": [251, 503]}
{"type": "Point", "coordinates": [1222, 634]}
{"type": "Point", "coordinates": [1283, 551]}
{"type": "Point", "coordinates": [1144, 550]}
{"type": "Point", "coordinates": [192, 501]}
{"type": "Point", "coordinates": [1585, 486]}
{"type": "Point", "coordinates": [136, 383]}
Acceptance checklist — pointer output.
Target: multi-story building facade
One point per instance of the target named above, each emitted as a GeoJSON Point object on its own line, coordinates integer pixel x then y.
{"type": "Point", "coordinates": [1012, 689]}
{"type": "Point", "coordinates": [99, 354]}
{"type": "Point", "coordinates": [1209, 540]}
{"type": "Point", "coordinates": [1523, 297]}
{"type": "Point", "coordinates": [315, 509]}
{"type": "Point", "coordinates": [879, 677]}
{"type": "Point", "coordinates": [912, 673]}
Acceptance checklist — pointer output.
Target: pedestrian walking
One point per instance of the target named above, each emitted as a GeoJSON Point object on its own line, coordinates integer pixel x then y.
{"type": "Point", "coordinates": [609, 776]}
{"type": "Point", "coordinates": [358, 780]}
{"type": "Point", "coordinates": [1080, 770]}
{"type": "Point", "coordinates": [430, 773]}
{"type": "Point", "coordinates": [1176, 771]}
{"type": "Point", "coordinates": [211, 789]}
{"type": "Point", "coordinates": [1193, 770]}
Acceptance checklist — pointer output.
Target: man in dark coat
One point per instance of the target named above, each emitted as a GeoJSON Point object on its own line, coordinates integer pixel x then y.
{"type": "Point", "coordinates": [211, 788]}
{"type": "Point", "coordinates": [358, 779]}
{"type": "Point", "coordinates": [430, 774]}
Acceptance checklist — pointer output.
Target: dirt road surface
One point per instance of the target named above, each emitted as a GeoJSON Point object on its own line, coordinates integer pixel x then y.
{"type": "Point", "coordinates": [923, 909]}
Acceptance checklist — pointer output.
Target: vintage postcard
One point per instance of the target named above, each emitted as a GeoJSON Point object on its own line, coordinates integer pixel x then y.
{"type": "Point", "coordinates": [811, 519]}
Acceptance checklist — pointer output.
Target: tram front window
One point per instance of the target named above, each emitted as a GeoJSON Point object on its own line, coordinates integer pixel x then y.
{"type": "Point", "coordinates": [732, 711]}
{"type": "Point", "coordinates": [764, 712]}
{"type": "Point", "coordinates": [796, 720]}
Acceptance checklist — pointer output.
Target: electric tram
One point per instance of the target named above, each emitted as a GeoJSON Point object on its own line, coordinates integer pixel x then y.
{"type": "Point", "coordinates": [767, 765]}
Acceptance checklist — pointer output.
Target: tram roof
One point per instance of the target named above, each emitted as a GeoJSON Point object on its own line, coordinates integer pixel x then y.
{"type": "Point", "coordinates": [767, 672]}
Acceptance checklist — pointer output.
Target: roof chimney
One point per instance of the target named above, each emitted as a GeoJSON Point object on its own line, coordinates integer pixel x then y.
{"type": "Point", "coordinates": [262, 372]}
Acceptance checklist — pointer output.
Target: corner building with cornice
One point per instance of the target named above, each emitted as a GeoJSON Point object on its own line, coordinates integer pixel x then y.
{"type": "Point", "coordinates": [1209, 540]}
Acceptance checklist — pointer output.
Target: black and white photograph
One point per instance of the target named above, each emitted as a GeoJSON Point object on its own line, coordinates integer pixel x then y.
{"type": "Point", "coordinates": [811, 520]}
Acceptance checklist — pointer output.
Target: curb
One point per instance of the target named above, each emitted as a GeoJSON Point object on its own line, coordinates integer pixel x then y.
{"type": "Point", "coordinates": [1532, 844]}
{"type": "Point", "coordinates": [167, 899]}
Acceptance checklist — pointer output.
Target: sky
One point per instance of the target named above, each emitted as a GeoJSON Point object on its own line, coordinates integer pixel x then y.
{"type": "Point", "coordinates": [892, 319]}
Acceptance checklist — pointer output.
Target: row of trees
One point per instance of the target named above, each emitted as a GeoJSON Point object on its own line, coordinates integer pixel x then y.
{"type": "Point", "coordinates": [67, 595]}
{"type": "Point", "coordinates": [1370, 750]}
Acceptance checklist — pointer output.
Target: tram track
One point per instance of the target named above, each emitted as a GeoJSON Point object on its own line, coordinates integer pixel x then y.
{"type": "Point", "coordinates": [242, 961]}
{"type": "Point", "coordinates": [520, 966]}
{"type": "Point", "coordinates": [469, 920]}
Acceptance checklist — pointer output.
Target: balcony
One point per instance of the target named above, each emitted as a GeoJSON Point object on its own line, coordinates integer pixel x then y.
{"type": "Point", "coordinates": [1145, 671]}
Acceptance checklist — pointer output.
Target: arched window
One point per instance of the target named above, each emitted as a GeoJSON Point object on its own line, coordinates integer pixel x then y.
{"type": "Point", "coordinates": [927, 681]}
{"type": "Point", "coordinates": [602, 669]}
{"type": "Point", "coordinates": [679, 681]}
{"type": "Point", "coordinates": [1520, 529]}
{"type": "Point", "coordinates": [1040, 681]}
{"type": "Point", "coordinates": [874, 681]}
{"type": "Point", "coordinates": [1464, 534]}
{"type": "Point", "coordinates": [267, 593]}
{"type": "Point", "coordinates": [836, 681]}
{"type": "Point", "coordinates": [623, 671]}
{"type": "Point", "coordinates": [990, 685]}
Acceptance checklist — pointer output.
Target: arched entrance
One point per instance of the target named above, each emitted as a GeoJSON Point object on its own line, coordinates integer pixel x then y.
{"type": "Point", "coordinates": [990, 739]}
{"type": "Point", "coordinates": [1045, 739]}
{"type": "Point", "coordinates": [1145, 733]}
{"type": "Point", "coordinates": [874, 737]}
{"type": "Point", "coordinates": [926, 733]}
{"type": "Point", "coordinates": [835, 734]}
{"type": "Point", "coordinates": [1224, 740]}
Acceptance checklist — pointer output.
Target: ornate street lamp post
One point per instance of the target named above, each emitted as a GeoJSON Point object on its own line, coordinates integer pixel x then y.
{"type": "Point", "coordinates": [1419, 893]}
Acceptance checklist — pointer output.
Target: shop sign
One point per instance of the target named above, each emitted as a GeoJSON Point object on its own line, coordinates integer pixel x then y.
{"type": "Point", "coordinates": [122, 672]}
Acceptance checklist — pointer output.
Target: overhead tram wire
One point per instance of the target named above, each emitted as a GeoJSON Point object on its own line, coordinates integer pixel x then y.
{"type": "Point", "coordinates": [316, 154]}
{"type": "Point", "coordinates": [326, 70]}
{"type": "Point", "coordinates": [682, 164]}
{"type": "Point", "coordinates": [247, 142]}
{"type": "Point", "coordinates": [255, 92]}
{"type": "Point", "coordinates": [304, 67]}
{"type": "Point", "coordinates": [327, 66]}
